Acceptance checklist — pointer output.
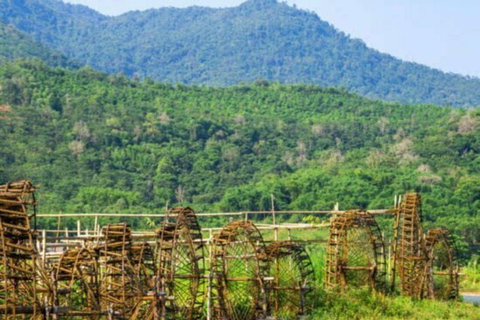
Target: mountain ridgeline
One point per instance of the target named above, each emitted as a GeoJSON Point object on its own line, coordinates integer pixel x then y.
{"type": "Point", "coordinates": [260, 39]}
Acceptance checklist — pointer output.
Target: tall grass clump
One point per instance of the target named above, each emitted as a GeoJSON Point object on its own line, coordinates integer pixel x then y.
{"type": "Point", "coordinates": [365, 304]}
{"type": "Point", "coordinates": [471, 281]}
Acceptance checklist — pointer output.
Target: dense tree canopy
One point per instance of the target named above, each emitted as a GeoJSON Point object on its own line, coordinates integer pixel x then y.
{"type": "Point", "coordinates": [15, 44]}
{"type": "Point", "coordinates": [99, 143]}
{"type": "Point", "coordinates": [258, 39]}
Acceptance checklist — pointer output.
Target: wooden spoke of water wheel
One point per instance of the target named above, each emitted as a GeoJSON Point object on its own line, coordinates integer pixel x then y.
{"type": "Point", "coordinates": [23, 286]}
{"type": "Point", "coordinates": [409, 259]}
{"type": "Point", "coordinates": [77, 293]}
{"type": "Point", "coordinates": [441, 280]}
{"type": "Point", "coordinates": [181, 260]}
{"type": "Point", "coordinates": [293, 276]}
{"type": "Point", "coordinates": [239, 269]}
{"type": "Point", "coordinates": [355, 252]}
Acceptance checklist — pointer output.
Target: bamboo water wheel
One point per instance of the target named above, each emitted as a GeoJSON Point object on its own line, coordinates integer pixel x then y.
{"type": "Point", "coordinates": [239, 268]}
{"type": "Point", "coordinates": [441, 280]}
{"type": "Point", "coordinates": [120, 289]}
{"type": "Point", "coordinates": [181, 260]}
{"type": "Point", "coordinates": [409, 259]}
{"type": "Point", "coordinates": [23, 287]}
{"type": "Point", "coordinates": [355, 252]}
{"type": "Point", "coordinates": [292, 273]}
{"type": "Point", "coordinates": [77, 292]}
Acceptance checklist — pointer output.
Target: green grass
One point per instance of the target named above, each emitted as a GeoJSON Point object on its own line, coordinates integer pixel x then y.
{"type": "Point", "coordinates": [363, 304]}
{"type": "Point", "coordinates": [471, 281]}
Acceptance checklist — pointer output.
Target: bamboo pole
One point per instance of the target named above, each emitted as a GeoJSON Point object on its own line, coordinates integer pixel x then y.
{"type": "Point", "coordinates": [146, 234]}
{"type": "Point", "coordinates": [246, 214]}
{"type": "Point", "coordinates": [210, 278]}
{"type": "Point", "coordinates": [95, 224]}
{"type": "Point", "coordinates": [44, 249]}
{"type": "Point", "coordinates": [59, 225]}
{"type": "Point", "coordinates": [274, 218]}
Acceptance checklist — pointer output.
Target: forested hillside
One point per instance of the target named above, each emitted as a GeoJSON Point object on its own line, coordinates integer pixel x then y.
{"type": "Point", "coordinates": [99, 143]}
{"type": "Point", "coordinates": [15, 44]}
{"type": "Point", "coordinates": [259, 39]}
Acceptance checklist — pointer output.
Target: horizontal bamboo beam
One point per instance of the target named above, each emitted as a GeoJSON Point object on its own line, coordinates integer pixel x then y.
{"type": "Point", "coordinates": [216, 214]}
{"type": "Point", "coordinates": [265, 227]}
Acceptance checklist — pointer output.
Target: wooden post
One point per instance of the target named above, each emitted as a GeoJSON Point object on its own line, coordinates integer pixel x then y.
{"type": "Point", "coordinates": [37, 245]}
{"type": "Point", "coordinates": [79, 230]}
{"type": "Point", "coordinates": [210, 277]}
{"type": "Point", "coordinates": [275, 231]}
{"type": "Point", "coordinates": [394, 245]}
{"type": "Point", "coordinates": [44, 249]}
{"type": "Point", "coordinates": [59, 225]}
{"type": "Point", "coordinates": [389, 259]}
{"type": "Point", "coordinates": [47, 309]}
{"type": "Point", "coordinates": [97, 231]}
{"type": "Point", "coordinates": [95, 224]}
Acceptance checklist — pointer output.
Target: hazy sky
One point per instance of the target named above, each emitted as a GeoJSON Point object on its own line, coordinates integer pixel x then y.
{"type": "Point", "coordinates": [444, 34]}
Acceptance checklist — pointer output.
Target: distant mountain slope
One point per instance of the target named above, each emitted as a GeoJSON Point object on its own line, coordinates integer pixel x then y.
{"type": "Point", "coordinates": [15, 44]}
{"type": "Point", "coordinates": [258, 39]}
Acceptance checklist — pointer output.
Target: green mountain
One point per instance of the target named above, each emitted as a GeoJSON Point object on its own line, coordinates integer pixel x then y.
{"type": "Point", "coordinates": [17, 45]}
{"type": "Point", "coordinates": [260, 39]}
{"type": "Point", "coordinates": [99, 143]}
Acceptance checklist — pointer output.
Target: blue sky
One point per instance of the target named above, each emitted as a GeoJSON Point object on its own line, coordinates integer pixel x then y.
{"type": "Point", "coordinates": [444, 34]}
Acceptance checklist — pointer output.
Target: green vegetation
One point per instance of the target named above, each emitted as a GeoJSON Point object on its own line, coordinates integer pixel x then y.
{"type": "Point", "coordinates": [471, 282]}
{"type": "Point", "coordinates": [362, 304]}
{"type": "Point", "coordinates": [15, 44]}
{"type": "Point", "coordinates": [259, 39]}
{"type": "Point", "coordinates": [98, 143]}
